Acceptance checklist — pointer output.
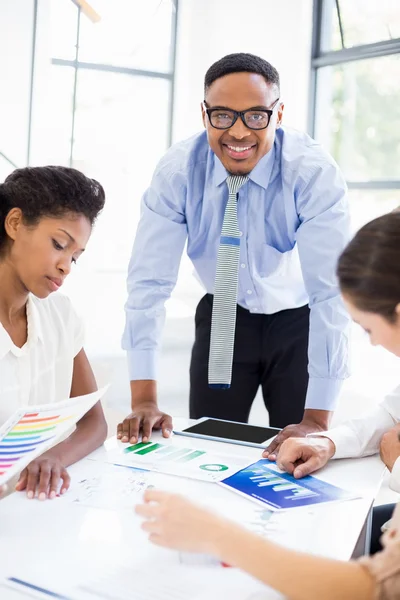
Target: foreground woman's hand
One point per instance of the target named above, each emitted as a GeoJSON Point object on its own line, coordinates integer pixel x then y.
{"type": "Point", "coordinates": [174, 522]}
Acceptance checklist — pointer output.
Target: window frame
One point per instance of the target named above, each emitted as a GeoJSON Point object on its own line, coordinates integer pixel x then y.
{"type": "Point", "coordinates": [321, 58]}
{"type": "Point", "coordinates": [76, 64]}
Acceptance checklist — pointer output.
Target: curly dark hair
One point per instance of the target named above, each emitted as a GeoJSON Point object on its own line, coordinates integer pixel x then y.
{"type": "Point", "coordinates": [239, 63]}
{"type": "Point", "coordinates": [50, 191]}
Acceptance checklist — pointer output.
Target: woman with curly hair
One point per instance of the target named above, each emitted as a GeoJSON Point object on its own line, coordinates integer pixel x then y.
{"type": "Point", "coordinates": [46, 218]}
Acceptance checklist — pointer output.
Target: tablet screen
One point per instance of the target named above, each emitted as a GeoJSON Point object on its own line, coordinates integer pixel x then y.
{"type": "Point", "coordinates": [233, 431]}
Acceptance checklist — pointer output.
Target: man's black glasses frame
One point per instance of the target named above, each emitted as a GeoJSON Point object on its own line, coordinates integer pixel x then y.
{"type": "Point", "coordinates": [234, 114]}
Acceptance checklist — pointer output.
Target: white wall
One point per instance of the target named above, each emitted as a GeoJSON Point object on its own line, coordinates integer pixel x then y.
{"type": "Point", "coordinates": [279, 32]}
{"type": "Point", "coordinates": [16, 27]}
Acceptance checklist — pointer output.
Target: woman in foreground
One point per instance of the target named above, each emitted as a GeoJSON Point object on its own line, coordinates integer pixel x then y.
{"type": "Point", "coordinates": [369, 276]}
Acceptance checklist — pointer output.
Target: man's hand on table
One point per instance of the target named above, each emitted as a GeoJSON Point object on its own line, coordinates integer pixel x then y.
{"type": "Point", "coordinates": [145, 415]}
{"type": "Point", "coordinates": [144, 419]}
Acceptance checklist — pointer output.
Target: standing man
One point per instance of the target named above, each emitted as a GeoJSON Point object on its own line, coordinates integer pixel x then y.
{"type": "Point", "coordinates": [265, 216]}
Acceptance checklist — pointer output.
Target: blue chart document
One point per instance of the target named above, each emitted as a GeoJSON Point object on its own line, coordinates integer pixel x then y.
{"type": "Point", "coordinates": [266, 484]}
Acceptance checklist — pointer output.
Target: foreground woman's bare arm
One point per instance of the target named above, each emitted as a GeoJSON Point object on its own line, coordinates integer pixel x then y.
{"type": "Point", "coordinates": [174, 522]}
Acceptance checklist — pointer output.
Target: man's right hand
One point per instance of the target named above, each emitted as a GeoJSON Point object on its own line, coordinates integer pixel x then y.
{"type": "Point", "coordinates": [302, 456]}
{"type": "Point", "coordinates": [145, 415]}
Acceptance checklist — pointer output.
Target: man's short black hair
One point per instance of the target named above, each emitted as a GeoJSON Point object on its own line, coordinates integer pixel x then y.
{"type": "Point", "coordinates": [237, 63]}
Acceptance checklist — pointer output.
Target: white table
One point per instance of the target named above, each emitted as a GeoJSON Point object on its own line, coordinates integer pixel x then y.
{"type": "Point", "coordinates": [65, 544]}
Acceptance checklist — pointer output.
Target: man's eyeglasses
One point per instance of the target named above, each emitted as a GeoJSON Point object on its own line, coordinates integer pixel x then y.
{"type": "Point", "coordinates": [253, 118]}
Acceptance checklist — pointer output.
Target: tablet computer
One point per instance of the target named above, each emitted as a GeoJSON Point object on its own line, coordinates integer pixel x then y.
{"type": "Point", "coordinates": [230, 431]}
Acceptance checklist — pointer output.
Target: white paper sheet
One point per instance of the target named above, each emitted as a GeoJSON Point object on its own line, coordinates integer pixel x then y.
{"type": "Point", "coordinates": [107, 486]}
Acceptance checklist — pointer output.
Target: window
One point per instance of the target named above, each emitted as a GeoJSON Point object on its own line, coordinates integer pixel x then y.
{"type": "Point", "coordinates": [100, 101]}
{"type": "Point", "coordinates": [358, 116]}
{"type": "Point", "coordinates": [355, 114]}
{"type": "Point", "coordinates": [103, 104]}
{"type": "Point", "coordinates": [6, 166]}
{"type": "Point", "coordinates": [132, 40]}
{"type": "Point", "coordinates": [121, 131]}
{"type": "Point", "coordinates": [16, 47]}
{"type": "Point", "coordinates": [119, 120]}
{"type": "Point", "coordinates": [64, 18]}
{"type": "Point", "coordinates": [131, 33]}
{"type": "Point", "coordinates": [355, 96]}
{"type": "Point", "coordinates": [52, 125]}
{"type": "Point", "coordinates": [351, 23]}
{"type": "Point", "coordinates": [369, 204]}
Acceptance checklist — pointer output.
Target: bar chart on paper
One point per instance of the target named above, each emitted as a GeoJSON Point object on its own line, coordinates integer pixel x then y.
{"type": "Point", "coordinates": [265, 483]}
{"type": "Point", "coordinates": [179, 460]}
{"type": "Point", "coordinates": [29, 433]}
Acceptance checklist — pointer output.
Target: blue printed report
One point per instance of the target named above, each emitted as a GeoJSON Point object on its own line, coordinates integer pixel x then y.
{"type": "Point", "coordinates": [264, 483]}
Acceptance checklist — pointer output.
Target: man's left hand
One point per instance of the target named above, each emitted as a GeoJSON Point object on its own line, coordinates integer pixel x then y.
{"type": "Point", "coordinates": [313, 421]}
{"type": "Point", "coordinates": [390, 447]}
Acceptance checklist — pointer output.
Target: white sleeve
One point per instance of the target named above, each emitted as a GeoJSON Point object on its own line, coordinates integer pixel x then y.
{"type": "Point", "coordinates": [67, 321]}
{"type": "Point", "coordinates": [394, 481]}
{"type": "Point", "coordinates": [77, 329]}
{"type": "Point", "coordinates": [360, 437]}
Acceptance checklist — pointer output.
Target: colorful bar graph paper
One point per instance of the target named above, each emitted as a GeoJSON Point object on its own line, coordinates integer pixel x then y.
{"type": "Point", "coordinates": [28, 433]}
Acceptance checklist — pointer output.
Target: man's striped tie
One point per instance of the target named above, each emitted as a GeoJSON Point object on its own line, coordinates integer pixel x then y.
{"type": "Point", "coordinates": [223, 320]}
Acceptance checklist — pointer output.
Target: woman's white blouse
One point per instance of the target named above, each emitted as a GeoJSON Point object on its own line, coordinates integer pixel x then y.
{"type": "Point", "coordinates": [41, 371]}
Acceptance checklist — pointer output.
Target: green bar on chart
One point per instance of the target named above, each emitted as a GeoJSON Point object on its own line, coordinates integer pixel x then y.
{"type": "Point", "coordinates": [191, 456]}
{"type": "Point", "coordinates": [137, 446]}
{"type": "Point", "coordinates": [149, 449]}
{"type": "Point", "coordinates": [166, 450]}
{"type": "Point", "coordinates": [175, 455]}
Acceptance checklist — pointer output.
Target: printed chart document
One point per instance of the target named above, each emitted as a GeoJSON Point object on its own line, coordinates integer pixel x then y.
{"type": "Point", "coordinates": [265, 483]}
{"type": "Point", "coordinates": [32, 430]}
{"type": "Point", "coordinates": [179, 583]}
{"type": "Point", "coordinates": [106, 486]}
{"type": "Point", "coordinates": [175, 458]}
{"type": "Point", "coordinates": [14, 588]}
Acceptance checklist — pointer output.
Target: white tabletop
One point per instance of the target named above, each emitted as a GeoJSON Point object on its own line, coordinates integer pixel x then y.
{"type": "Point", "coordinates": [68, 541]}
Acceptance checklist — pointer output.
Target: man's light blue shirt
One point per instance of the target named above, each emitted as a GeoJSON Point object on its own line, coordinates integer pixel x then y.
{"type": "Point", "coordinates": [294, 220]}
